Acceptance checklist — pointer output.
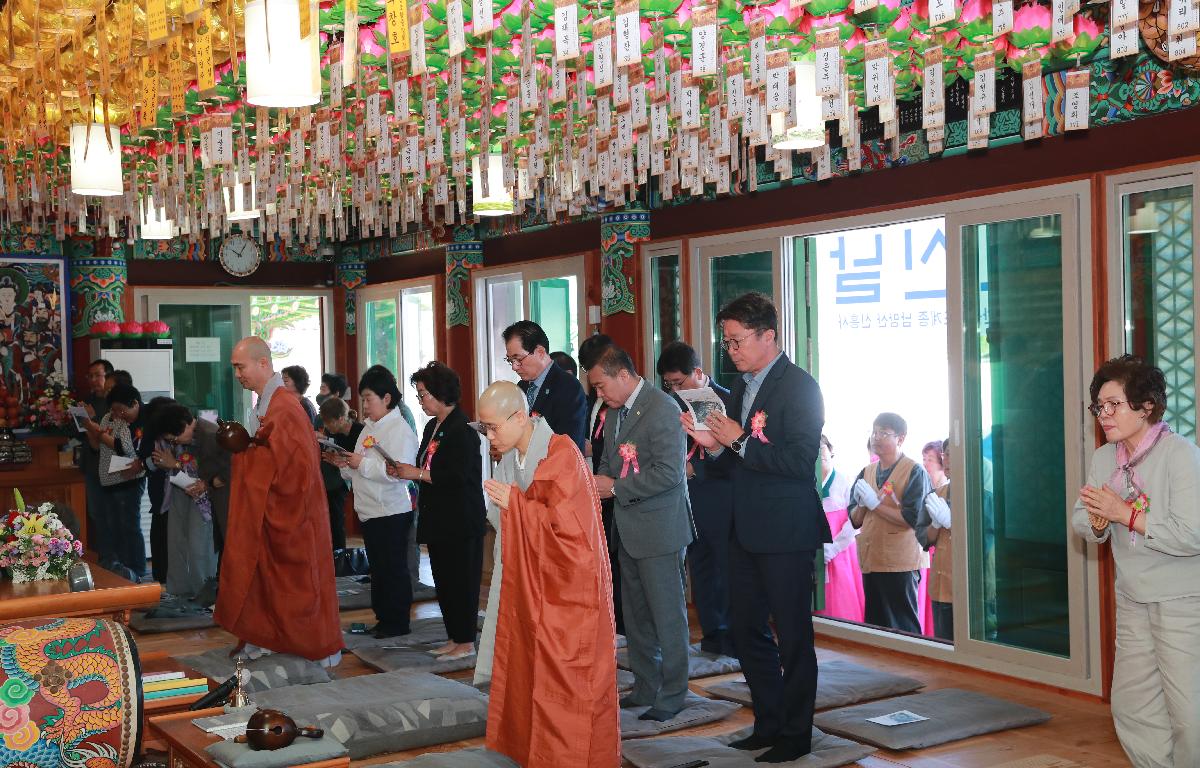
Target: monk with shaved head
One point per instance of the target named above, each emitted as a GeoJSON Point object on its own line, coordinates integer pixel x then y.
{"type": "Point", "coordinates": [549, 638]}
{"type": "Point", "coordinates": [276, 588]}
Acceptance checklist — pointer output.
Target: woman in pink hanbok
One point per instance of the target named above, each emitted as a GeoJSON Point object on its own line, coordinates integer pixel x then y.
{"type": "Point", "coordinates": [844, 598]}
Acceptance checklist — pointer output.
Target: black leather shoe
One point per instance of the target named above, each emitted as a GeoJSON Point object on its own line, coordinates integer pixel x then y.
{"type": "Point", "coordinates": [657, 715]}
{"type": "Point", "coordinates": [627, 702]}
{"type": "Point", "coordinates": [752, 742]}
{"type": "Point", "coordinates": [382, 633]}
{"type": "Point", "coordinates": [785, 751]}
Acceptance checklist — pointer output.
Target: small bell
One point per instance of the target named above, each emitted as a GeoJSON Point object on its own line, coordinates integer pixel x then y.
{"type": "Point", "coordinates": [238, 697]}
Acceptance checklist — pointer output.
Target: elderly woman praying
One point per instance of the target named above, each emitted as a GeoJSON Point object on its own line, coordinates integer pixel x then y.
{"type": "Point", "coordinates": [1142, 497]}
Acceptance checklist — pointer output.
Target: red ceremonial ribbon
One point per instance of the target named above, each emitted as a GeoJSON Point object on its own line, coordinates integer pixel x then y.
{"type": "Point", "coordinates": [600, 423]}
{"type": "Point", "coordinates": [757, 424]}
{"type": "Point", "coordinates": [628, 452]}
{"type": "Point", "coordinates": [432, 449]}
{"type": "Point", "coordinates": [695, 447]}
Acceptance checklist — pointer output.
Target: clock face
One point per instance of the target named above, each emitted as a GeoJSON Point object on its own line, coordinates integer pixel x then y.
{"type": "Point", "coordinates": [240, 255]}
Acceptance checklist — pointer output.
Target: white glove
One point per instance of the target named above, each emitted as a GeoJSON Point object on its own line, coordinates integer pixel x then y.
{"type": "Point", "coordinates": [831, 551]}
{"type": "Point", "coordinates": [841, 541]}
{"type": "Point", "coordinates": [938, 509]}
{"type": "Point", "coordinates": [864, 495]}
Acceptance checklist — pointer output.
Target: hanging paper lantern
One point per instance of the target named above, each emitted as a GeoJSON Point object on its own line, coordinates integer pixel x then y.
{"type": "Point", "coordinates": [154, 222]}
{"type": "Point", "coordinates": [498, 202]}
{"type": "Point", "coordinates": [809, 130]}
{"type": "Point", "coordinates": [235, 209]}
{"type": "Point", "coordinates": [284, 70]}
{"type": "Point", "coordinates": [96, 160]}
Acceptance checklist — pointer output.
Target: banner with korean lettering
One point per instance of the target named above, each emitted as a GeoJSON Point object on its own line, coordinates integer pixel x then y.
{"type": "Point", "coordinates": [881, 334]}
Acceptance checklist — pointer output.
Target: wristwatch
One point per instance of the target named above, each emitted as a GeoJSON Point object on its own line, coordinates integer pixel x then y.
{"type": "Point", "coordinates": [736, 445]}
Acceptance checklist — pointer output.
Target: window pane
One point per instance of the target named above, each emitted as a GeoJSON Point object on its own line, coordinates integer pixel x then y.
{"type": "Point", "coordinates": [381, 333]}
{"type": "Point", "coordinates": [416, 312]}
{"type": "Point", "coordinates": [1016, 497]}
{"type": "Point", "coordinates": [504, 307]}
{"type": "Point", "coordinates": [733, 276]}
{"type": "Point", "coordinates": [206, 386]}
{"type": "Point", "coordinates": [665, 319]}
{"type": "Point", "coordinates": [552, 306]}
{"type": "Point", "coordinates": [1159, 319]}
{"type": "Point", "coordinates": [291, 325]}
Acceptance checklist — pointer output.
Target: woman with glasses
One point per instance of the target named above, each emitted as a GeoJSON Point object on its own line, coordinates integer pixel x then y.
{"type": "Point", "coordinates": [381, 498]}
{"type": "Point", "coordinates": [1141, 496]}
{"type": "Point", "coordinates": [451, 516]}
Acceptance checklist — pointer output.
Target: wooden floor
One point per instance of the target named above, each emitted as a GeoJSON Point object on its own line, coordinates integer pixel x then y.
{"type": "Point", "coordinates": [1079, 735]}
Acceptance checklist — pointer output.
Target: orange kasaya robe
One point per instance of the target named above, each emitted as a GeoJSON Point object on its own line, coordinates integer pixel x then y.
{"type": "Point", "coordinates": [277, 587]}
{"type": "Point", "coordinates": [554, 678]}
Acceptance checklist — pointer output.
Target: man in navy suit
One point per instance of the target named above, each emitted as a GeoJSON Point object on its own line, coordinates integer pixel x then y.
{"type": "Point", "coordinates": [551, 392]}
{"type": "Point", "coordinates": [770, 443]}
{"type": "Point", "coordinates": [712, 507]}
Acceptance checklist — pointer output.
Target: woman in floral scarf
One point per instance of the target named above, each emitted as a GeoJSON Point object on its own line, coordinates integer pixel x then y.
{"type": "Point", "coordinates": [1141, 497]}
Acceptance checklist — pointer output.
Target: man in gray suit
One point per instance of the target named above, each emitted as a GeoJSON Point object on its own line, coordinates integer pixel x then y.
{"type": "Point", "coordinates": [642, 468]}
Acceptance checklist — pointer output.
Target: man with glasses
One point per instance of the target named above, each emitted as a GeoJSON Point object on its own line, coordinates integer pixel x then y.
{"type": "Point", "coordinates": [550, 392]}
{"type": "Point", "coordinates": [712, 507]}
{"type": "Point", "coordinates": [769, 443]}
{"type": "Point", "coordinates": [885, 502]}
{"type": "Point", "coordinates": [549, 641]}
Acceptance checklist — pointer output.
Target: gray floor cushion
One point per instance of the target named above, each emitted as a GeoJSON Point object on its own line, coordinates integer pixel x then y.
{"type": "Point", "coordinates": [152, 622]}
{"type": "Point", "coordinates": [953, 714]}
{"type": "Point", "coordinates": [422, 593]}
{"type": "Point", "coordinates": [275, 670]}
{"type": "Point", "coordinates": [352, 593]}
{"type": "Point", "coordinates": [388, 712]}
{"type": "Point", "coordinates": [828, 751]}
{"type": "Point", "coordinates": [624, 680]}
{"type": "Point", "coordinates": [839, 684]}
{"type": "Point", "coordinates": [476, 757]}
{"type": "Point", "coordinates": [700, 663]}
{"type": "Point", "coordinates": [427, 634]}
{"type": "Point", "coordinates": [389, 658]}
{"type": "Point", "coordinates": [299, 752]}
{"type": "Point", "coordinates": [697, 710]}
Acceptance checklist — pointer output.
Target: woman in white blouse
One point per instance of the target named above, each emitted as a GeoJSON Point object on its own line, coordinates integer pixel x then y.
{"type": "Point", "coordinates": [381, 501]}
{"type": "Point", "coordinates": [1142, 497]}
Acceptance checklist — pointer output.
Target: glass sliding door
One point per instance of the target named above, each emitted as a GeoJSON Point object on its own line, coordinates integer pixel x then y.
{"type": "Point", "coordinates": [662, 299]}
{"type": "Point", "coordinates": [293, 327]}
{"type": "Point", "coordinates": [1155, 224]}
{"type": "Point", "coordinates": [203, 376]}
{"type": "Point", "coordinates": [417, 343]}
{"type": "Point", "coordinates": [552, 306]}
{"type": "Point", "coordinates": [1019, 330]}
{"type": "Point", "coordinates": [380, 332]}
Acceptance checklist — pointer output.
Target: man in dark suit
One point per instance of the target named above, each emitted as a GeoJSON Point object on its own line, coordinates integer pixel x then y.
{"type": "Point", "coordinates": [770, 446]}
{"type": "Point", "coordinates": [712, 507]}
{"type": "Point", "coordinates": [551, 392]}
{"type": "Point", "coordinates": [643, 470]}
{"type": "Point", "coordinates": [590, 350]}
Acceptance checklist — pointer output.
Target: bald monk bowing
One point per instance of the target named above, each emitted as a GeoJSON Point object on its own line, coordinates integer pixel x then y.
{"type": "Point", "coordinates": [553, 670]}
{"type": "Point", "coordinates": [277, 591]}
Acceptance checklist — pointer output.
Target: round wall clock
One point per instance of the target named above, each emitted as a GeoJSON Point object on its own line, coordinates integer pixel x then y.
{"type": "Point", "coordinates": [240, 256]}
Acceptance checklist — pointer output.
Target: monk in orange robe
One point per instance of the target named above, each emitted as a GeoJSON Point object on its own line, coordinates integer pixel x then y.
{"type": "Point", "coordinates": [276, 587]}
{"type": "Point", "coordinates": [554, 673]}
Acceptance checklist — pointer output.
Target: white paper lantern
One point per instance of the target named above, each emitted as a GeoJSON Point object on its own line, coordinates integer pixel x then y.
{"type": "Point", "coordinates": [95, 167]}
{"type": "Point", "coordinates": [498, 202]}
{"type": "Point", "coordinates": [287, 73]}
{"type": "Point", "coordinates": [235, 210]}
{"type": "Point", "coordinates": [154, 222]}
{"type": "Point", "coordinates": [809, 130]}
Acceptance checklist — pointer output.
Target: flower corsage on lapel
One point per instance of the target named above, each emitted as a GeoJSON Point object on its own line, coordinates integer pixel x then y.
{"type": "Point", "coordinates": [369, 443]}
{"type": "Point", "coordinates": [758, 423]}
{"type": "Point", "coordinates": [887, 490]}
{"type": "Point", "coordinates": [429, 451]}
{"type": "Point", "coordinates": [628, 452]}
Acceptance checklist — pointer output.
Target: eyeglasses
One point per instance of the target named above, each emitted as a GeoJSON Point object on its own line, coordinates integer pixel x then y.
{"type": "Point", "coordinates": [883, 434]}
{"type": "Point", "coordinates": [484, 428]}
{"type": "Point", "coordinates": [1108, 407]}
{"type": "Point", "coordinates": [516, 360]}
{"type": "Point", "coordinates": [421, 396]}
{"type": "Point", "coordinates": [736, 343]}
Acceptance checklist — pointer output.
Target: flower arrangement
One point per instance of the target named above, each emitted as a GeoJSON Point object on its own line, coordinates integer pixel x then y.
{"type": "Point", "coordinates": [50, 408]}
{"type": "Point", "coordinates": [131, 329]}
{"type": "Point", "coordinates": [35, 545]}
{"type": "Point", "coordinates": [156, 329]}
{"type": "Point", "coordinates": [106, 329]}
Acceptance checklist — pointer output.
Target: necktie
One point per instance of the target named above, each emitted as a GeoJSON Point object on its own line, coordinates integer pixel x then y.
{"type": "Point", "coordinates": [621, 414]}
{"type": "Point", "coordinates": [531, 394]}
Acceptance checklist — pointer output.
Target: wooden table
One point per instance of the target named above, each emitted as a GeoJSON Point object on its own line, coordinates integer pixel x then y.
{"type": "Point", "coordinates": [160, 661]}
{"type": "Point", "coordinates": [113, 596]}
{"type": "Point", "coordinates": [186, 743]}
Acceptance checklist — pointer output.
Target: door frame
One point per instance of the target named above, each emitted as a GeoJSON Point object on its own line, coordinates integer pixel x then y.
{"type": "Point", "coordinates": [146, 300]}
{"type": "Point", "coordinates": [647, 255]}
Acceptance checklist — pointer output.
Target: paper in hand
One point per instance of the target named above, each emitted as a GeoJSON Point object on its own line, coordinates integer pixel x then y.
{"type": "Point", "coordinates": [182, 480]}
{"type": "Point", "coordinates": [80, 415]}
{"type": "Point", "coordinates": [700, 403]}
{"type": "Point", "coordinates": [119, 463]}
{"type": "Point", "coordinates": [903, 717]}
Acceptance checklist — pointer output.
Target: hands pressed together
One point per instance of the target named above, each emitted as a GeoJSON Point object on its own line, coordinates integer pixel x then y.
{"type": "Point", "coordinates": [1104, 506]}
